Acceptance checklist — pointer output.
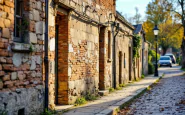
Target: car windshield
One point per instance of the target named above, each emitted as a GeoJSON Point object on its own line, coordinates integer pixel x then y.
{"type": "Point", "coordinates": [164, 58]}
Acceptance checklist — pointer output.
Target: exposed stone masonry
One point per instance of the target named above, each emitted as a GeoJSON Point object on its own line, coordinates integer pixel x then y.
{"type": "Point", "coordinates": [21, 63]}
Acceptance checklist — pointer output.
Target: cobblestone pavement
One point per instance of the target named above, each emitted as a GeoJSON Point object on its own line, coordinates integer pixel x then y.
{"type": "Point", "coordinates": [107, 104]}
{"type": "Point", "coordinates": [165, 98]}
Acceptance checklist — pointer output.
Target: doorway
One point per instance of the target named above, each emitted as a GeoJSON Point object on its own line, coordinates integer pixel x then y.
{"type": "Point", "coordinates": [130, 64]}
{"type": "Point", "coordinates": [120, 67]}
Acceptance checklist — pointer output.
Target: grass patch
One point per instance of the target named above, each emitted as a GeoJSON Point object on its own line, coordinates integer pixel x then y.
{"type": "Point", "coordinates": [80, 101]}
{"type": "Point", "coordinates": [111, 89]}
{"type": "Point", "coordinates": [48, 112]}
{"type": "Point", "coordinates": [122, 85]}
{"type": "Point", "coordinates": [90, 97]}
{"type": "Point", "coordinates": [118, 88]}
{"type": "Point", "coordinates": [149, 88]}
{"type": "Point", "coordinates": [142, 76]}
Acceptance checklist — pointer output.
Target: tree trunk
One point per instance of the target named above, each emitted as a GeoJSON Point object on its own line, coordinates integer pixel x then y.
{"type": "Point", "coordinates": [164, 50]}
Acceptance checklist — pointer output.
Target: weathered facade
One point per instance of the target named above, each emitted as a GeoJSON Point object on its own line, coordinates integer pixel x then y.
{"type": "Point", "coordinates": [142, 62]}
{"type": "Point", "coordinates": [21, 52]}
{"type": "Point", "coordinates": [79, 30]}
{"type": "Point", "coordinates": [81, 42]}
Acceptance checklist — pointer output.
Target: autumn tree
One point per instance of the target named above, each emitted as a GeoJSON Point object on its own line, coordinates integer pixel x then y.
{"type": "Point", "coordinates": [178, 7]}
{"type": "Point", "coordinates": [158, 14]}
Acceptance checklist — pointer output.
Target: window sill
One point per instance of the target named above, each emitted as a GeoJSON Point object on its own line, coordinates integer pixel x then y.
{"type": "Point", "coordinates": [109, 60]}
{"type": "Point", "coordinates": [21, 47]}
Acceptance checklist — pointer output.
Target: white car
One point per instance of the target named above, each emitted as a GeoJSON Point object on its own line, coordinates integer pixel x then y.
{"type": "Point", "coordinates": [165, 61]}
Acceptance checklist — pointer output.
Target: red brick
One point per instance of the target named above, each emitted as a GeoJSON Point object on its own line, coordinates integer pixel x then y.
{"type": "Point", "coordinates": [4, 52]}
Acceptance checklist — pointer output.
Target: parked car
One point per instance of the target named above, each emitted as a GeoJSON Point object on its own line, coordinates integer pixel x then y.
{"type": "Point", "coordinates": [172, 57]}
{"type": "Point", "coordinates": [165, 61]}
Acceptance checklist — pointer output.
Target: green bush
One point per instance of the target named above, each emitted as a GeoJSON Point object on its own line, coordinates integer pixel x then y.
{"type": "Point", "coordinates": [142, 76]}
{"type": "Point", "coordinates": [179, 59]}
{"type": "Point", "coordinates": [111, 89]}
{"type": "Point", "coordinates": [118, 88]}
{"type": "Point", "coordinates": [122, 85]}
{"type": "Point", "coordinates": [152, 56]}
{"type": "Point", "coordinates": [80, 101]}
{"type": "Point", "coordinates": [150, 68]}
{"type": "Point", "coordinates": [90, 97]}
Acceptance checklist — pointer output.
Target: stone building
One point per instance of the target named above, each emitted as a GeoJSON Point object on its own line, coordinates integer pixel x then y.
{"type": "Point", "coordinates": [142, 61]}
{"type": "Point", "coordinates": [21, 55]}
{"type": "Point", "coordinates": [80, 49]}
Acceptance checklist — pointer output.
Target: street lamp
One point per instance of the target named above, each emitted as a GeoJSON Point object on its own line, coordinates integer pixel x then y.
{"type": "Point", "coordinates": [156, 32]}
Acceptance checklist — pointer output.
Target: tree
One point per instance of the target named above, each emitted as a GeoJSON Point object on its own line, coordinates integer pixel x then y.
{"type": "Point", "coordinates": [178, 7]}
{"type": "Point", "coordinates": [137, 17]}
{"type": "Point", "coordinates": [170, 32]}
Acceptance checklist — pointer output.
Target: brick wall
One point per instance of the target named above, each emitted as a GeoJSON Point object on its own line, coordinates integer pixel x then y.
{"type": "Point", "coordinates": [20, 63]}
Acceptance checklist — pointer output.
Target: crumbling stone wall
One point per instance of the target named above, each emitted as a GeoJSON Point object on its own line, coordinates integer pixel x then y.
{"type": "Point", "coordinates": [145, 60]}
{"type": "Point", "coordinates": [79, 60]}
{"type": "Point", "coordinates": [21, 85]}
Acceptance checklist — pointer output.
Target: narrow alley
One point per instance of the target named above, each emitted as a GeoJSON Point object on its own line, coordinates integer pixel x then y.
{"type": "Point", "coordinates": [165, 98]}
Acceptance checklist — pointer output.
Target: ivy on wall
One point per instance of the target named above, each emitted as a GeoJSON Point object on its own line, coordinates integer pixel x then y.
{"type": "Point", "coordinates": [136, 45]}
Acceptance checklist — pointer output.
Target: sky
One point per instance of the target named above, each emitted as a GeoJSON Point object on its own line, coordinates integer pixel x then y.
{"type": "Point", "coordinates": [128, 7]}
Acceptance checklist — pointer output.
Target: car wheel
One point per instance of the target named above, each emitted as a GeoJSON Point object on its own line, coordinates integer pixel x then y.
{"type": "Point", "coordinates": [170, 65]}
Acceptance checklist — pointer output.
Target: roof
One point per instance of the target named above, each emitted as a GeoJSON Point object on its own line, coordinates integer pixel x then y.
{"type": "Point", "coordinates": [124, 20]}
{"type": "Point", "coordinates": [138, 28]}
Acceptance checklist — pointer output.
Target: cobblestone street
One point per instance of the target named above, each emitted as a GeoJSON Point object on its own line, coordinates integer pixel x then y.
{"type": "Point", "coordinates": [165, 98]}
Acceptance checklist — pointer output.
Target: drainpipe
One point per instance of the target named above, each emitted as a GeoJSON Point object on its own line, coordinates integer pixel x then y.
{"type": "Point", "coordinates": [46, 56]}
{"type": "Point", "coordinates": [114, 24]}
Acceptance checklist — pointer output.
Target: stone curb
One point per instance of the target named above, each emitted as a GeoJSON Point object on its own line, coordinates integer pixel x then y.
{"type": "Point", "coordinates": [112, 110]}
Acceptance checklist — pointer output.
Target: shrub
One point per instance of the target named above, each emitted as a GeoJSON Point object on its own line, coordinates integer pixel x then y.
{"type": "Point", "coordinates": [3, 112]}
{"type": "Point", "coordinates": [150, 68]}
{"type": "Point", "coordinates": [90, 97]}
{"type": "Point", "coordinates": [118, 88]}
{"type": "Point", "coordinates": [122, 85]}
{"type": "Point", "coordinates": [111, 89]}
{"type": "Point", "coordinates": [80, 101]}
{"type": "Point", "coordinates": [142, 76]}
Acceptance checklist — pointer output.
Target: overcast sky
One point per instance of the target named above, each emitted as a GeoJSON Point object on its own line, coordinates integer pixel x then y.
{"type": "Point", "coordinates": [128, 6]}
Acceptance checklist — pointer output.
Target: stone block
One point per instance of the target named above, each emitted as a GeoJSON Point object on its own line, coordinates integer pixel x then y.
{"type": "Point", "coordinates": [17, 59]}
{"type": "Point", "coordinates": [6, 33]}
{"type": "Point", "coordinates": [8, 84]}
{"type": "Point", "coordinates": [39, 5]}
{"type": "Point", "coordinates": [1, 1]}
{"type": "Point", "coordinates": [2, 73]}
{"type": "Point", "coordinates": [32, 37]}
{"type": "Point", "coordinates": [36, 15]}
{"type": "Point", "coordinates": [13, 75]}
{"type": "Point", "coordinates": [2, 60]}
{"type": "Point", "coordinates": [9, 3]}
{"type": "Point", "coordinates": [2, 23]}
{"type": "Point", "coordinates": [40, 27]}
{"type": "Point", "coordinates": [10, 16]}
{"type": "Point", "coordinates": [7, 23]}
{"type": "Point", "coordinates": [3, 14]}
{"type": "Point", "coordinates": [33, 63]}
{"type": "Point", "coordinates": [7, 9]}
{"type": "Point", "coordinates": [6, 78]}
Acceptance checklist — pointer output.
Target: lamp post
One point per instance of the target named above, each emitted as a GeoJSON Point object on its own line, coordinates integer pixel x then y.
{"type": "Point", "coordinates": [113, 26]}
{"type": "Point", "coordinates": [156, 31]}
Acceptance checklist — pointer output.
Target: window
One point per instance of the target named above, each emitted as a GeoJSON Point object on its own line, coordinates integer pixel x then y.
{"type": "Point", "coordinates": [109, 44]}
{"type": "Point", "coordinates": [18, 20]}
